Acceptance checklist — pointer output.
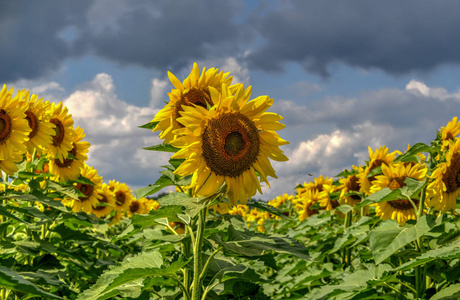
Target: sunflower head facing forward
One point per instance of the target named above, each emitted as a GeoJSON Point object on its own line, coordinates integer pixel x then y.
{"type": "Point", "coordinates": [229, 143]}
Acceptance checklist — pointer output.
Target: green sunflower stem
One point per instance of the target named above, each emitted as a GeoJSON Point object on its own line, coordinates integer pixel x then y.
{"type": "Point", "coordinates": [347, 251]}
{"type": "Point", "coordinates": [421, 282]}
{"type": "Point", "coordinates": [197, 255]}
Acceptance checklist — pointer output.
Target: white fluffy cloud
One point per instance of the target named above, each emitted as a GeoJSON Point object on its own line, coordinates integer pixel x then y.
{"type": "Point", "coordinates": [332, 134]}
{"type": "Point", "coordinates": [111, 126]}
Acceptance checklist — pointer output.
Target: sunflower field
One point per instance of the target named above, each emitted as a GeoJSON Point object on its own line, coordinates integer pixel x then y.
{"type": "Point", "coordinates": [386, 229]}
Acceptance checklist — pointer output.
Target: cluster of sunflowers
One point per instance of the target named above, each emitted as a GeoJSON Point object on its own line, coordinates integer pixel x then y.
{"type": "Point", "coordinates": [384, 169]}
{"type": "Point", "coordinates": [224, 139]}
{"type": "Point", "coordinates": [33, 130]}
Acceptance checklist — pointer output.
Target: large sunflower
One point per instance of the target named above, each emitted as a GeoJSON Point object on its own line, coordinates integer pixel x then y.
{"type": "Point", "coordinates": [10, 165]}
{"type": "Point", "coordinates": [229, 143]}
{"type": "Point", "coordinates": [394, 175]}
{"type": "Point", "coordinates": [64, 133]}
{"type": "Point", "coordinates": [123, 195]}
{"type": "Point", "coordinates": [376, 159]}
{"type": "Point", "coordinates": [70, 168]}
{"type": "Point", "coordinates": [445, 188]}
{"type": "Point", "coordinates": [194, 90]}
{"type": "Point", "coordinates": [39, 122]}
{"type": "Point", "coordinates": [14, 130]}
{"type": "Point", "coordinates": [90, 198]}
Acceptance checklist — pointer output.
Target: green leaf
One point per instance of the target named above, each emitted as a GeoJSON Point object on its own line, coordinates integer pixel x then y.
{"type": "Point", "coordinates": [248, 243]}
{"type": "Point", "coordinates": [146, 264]}
{"type": "Point", "coordinates": [375, 171]}
{"type": "Point", "coordinates": [149, 125]}
{"type": "Point", "coordinates": [6, 213]}
{"type": "Point", "coordinates": [192, 205]}
{"type": "Point", "coordinates": [389, 237]}
{"type": "Point", "coordinates": [68, 191]}
{"type": "Point", "coordinates": [11, 280]}
{"type": "Point", "coordinates": [169, 212]}
{"type": "Point", "coordinates": [415, 149]}
{"type": "Point", "coordinates": [263, 206]}
{"type": "Point", "coordinates": [383, 195]}
{"type": "Point", "coordinates": [452, 292]}
{"type": "Point", "coordinates": [163, 148]}
{"type": "Point", "coordinates": [450, 251]}
{"type": "Point", "coordinates": [161, 183]}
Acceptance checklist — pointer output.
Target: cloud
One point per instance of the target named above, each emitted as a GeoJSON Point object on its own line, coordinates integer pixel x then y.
{"type": "Point", "coordinates": [31, 34]}
{"type": "Point", "coordinates": [111, 126]}
{"type": "Point", "coordinates": [340, 130]}
{"type": "Point", "coordinates": [158, 92]}
{"type": "Point", "coordinates": [393, 36]}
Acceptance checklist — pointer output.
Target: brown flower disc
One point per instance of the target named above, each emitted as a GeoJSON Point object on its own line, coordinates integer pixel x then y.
{"type": "Point", "coordinates": [230, 144]}
{"type": "Point", "coordinates": [451, 177]}
{"type": "Point", "coordinates": [59, 129]}
{"type": "Point", "coordinates": [195, 95]}
{"type": "Point", "coordinates": [32, 119]}
{"type": "Point", "coordinates": [102, 200]}
{"type": "Point", "coordinates": [5, 125]}
{"type": "Point", "coordinates": [67, 161]}
{"type": "Point", "coordinates": [85, 189]}
{"type": "Point", "coordinates": [402, 204]}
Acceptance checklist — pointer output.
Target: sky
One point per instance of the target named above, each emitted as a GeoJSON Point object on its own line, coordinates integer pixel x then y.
{"type": "Point", "coordinates": [345, 75]}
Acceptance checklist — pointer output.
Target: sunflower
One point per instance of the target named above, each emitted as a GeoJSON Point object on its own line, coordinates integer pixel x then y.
{"type": "Point", "coordinates": [123, 195]}
{"type": "Point", "coordinates": [194, 90]}
{"type": "Point", "coordinates": [376, 159]}
{"type": "Point", "coordinates": [116, 218]}
{"type": "Point", "coordinates": [449, 133]}
{"type": "Point", "coordinates": [10, 165]}
{"type": "Point", "coordinates": [349, 185]}
{"type": "Point", "coordinates": [443, 191]}
{"type": "Point", "coordinates": [64, 133]}
{"type": "Point", "coordinates": [229, 143]}
{"type": "Point", "coordinates": [281, 200]}
{"type": "Point", "coordinates": [106, 202]}
{"type": "Point", "coordinates": [91, 196]}
{"type": "Point", "coordinates": [322, 185]}
{"type": "Point", "coordinates": [305, 202]}
{"type": "Point", "coordinates": [70, 167]}
{"type": "Point", "coordinates": [39, 122]}
{"type": "Point", "coordinates": [239, 209]}
{"type": "Point", "coordinates": [222, 208]}
{"type": "Point", "coordinates": [14, 130]}
{"type": "Point", "coordinates": [394, 175]}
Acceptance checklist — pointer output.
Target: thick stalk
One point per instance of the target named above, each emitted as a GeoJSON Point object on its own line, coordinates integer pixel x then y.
{"type": "Point", "coordinates": [197, 255]}
{"type": "Point", "coordinates": [347, 251]}
{"type": "Point", "coordinates": [420, 276]}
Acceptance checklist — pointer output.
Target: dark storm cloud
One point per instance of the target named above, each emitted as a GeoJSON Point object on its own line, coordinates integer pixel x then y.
{"type": "Point", "coordinates": [37, 36]}
{"type": "Point", "coordinates": [395, 36]}
{"type": "Point", "coordinates": [30, 36]}
{"type": "Point", "coordinates": [167, 34]}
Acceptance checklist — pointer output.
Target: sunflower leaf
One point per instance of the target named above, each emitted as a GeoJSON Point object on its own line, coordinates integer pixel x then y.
{"type": "Point", "coordinates": [11, 280]}
{"type": "Point", "coordinates": [161, 183]}
{"type": "Point", "coordinates": [163, 148]}
{"type": "Point", "coordinates": [450, 251]}
{"type": "Point", "coordinates": [417, 148]}
{"type": "Point", "coordinates": [383, 195]}
{"type": "Point", "coordinates": [266, 207]}
{"type": "Point", "coordinates": [149, 125]}
{"type": "Point", "coordinates": [145, 264]}
{"type": "Point", "coordinates": [389, 237]}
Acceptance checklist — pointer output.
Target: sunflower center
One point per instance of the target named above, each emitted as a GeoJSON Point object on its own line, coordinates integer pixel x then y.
{"type": "Point", "coordinates": [452, 176]}
{"type": "Point", "coordinates": [33, 123]}
{"type": "Point", "coordinates": [59, 130]}
{"type": "Point", "coordinates": [67, 161]}
{"type": "Point", "coordinates": [120, 198]}
{"type": "Point", "coordinates": [134, 207]}
{"type": "Point", "coordinates": [230, 144]}
{"type": "Point", "coordinates": [402, 204]}
{"type": "Point", "coordinates": [319, 187]}
{"type": "Point", "coordinates": [449, 136]}
{"type": "Point", "coordinates": [5, 125]}
{"type": "Point", "coordinates": [195, 95]}
{"type": "Point", "coordinates": [353, 186]}
{"type": "Point", "coordinates": [85, 189]}
{"type": "Point", "coordinates": [102, 200]}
